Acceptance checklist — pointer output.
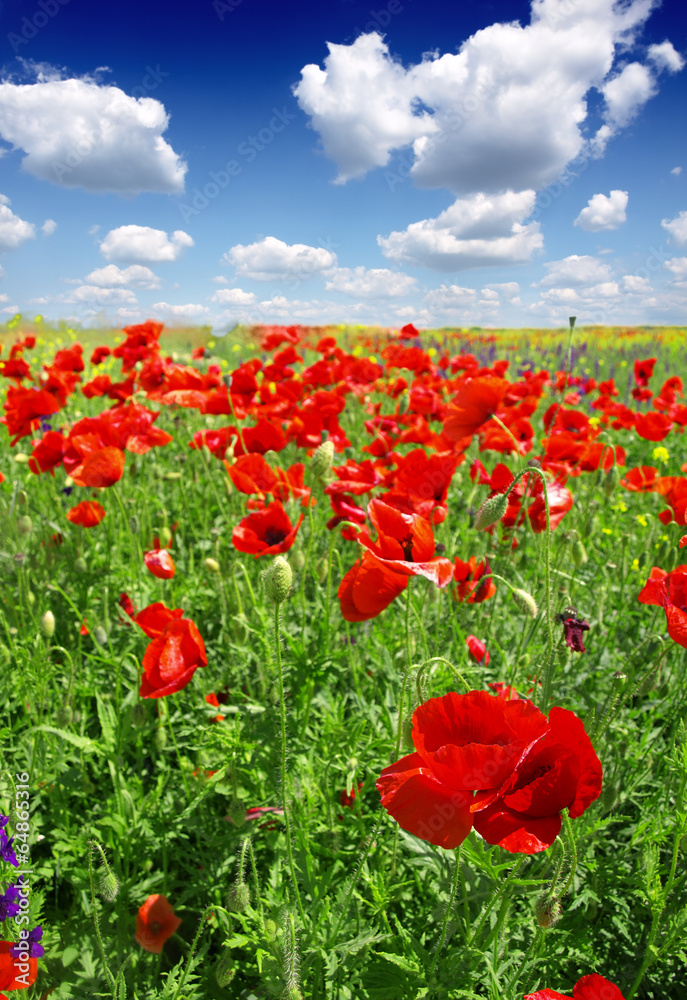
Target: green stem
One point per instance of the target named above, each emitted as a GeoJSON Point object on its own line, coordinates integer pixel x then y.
{"type": "Point", "coordinates": [371, 842]}
{"type": "Point", "coordinates": [282, 713]}
{"type": "Point", "coordinates": [447, 914]}
{"type": "Point", "coordinates": [96, 921]}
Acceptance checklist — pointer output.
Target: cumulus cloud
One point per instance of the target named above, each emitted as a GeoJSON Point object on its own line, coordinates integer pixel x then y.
{"type": "Point", "coordinates": [94, 294]}
{"type": "Point", "coordinates": [676, 171]}
{"type": "Point", "coordinates": [678, 268]}
{"type": "Point", "coordinates": [603, 212]}
{"type": "Point", "coordinates": [505, 111]}
{"type": "Point", "coordinates": [664, 56]}
{"type": "Point", "coordinates": [13, 230]}
{"type": "Point", "coordinates": [472, 232]}
{"type": "Point", "coordinates": [141, 243]}
{"type": "Point", "coordinates": [48, 227]}
{"type": "Point", "coordinates": [635, 284]}
{"type": "Point", "coordinates": [677, 228]}
{"type": "Point", "coordinates": [271, 259]}
{"type": "Point", "coordinates": [112, 276]}
{"type": "Point", "coordinates": [190, 311]}
{"type": "Point", "coordinates": [375, 283]}
{"type": "Point", "coordinates": [575, 270]}
{"type": "Point", "coordinates": [448, 297]}
{"type": "Point", "coordinates": [80, 133]}
{"type": "Point", "coordinates": [233, 297]}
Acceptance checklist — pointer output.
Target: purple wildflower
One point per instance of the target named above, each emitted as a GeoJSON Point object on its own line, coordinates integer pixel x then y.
{"type": "Point", "coordinates": [30, 944]}
{"type": "Point", "coordinates": [573, 627]}
{"type": "Point", "coordinates": [8, 905]}
{"type": "Point", "coordinates": [6, 852]}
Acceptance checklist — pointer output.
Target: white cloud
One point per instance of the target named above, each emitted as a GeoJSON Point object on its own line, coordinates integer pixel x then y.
{"type": "Point", "coordinates": [575, 270]}
{"type": "Point", "coordinates": [473, 232]}
{"type": "Point", "coordinates": [509, 290]}
{"type": "Point", "coordinates": [101, 296]}
{"type": "Point", "coordinates": [190, 311]}
{"type": "Point", "coordinates": [48, 227]}
{"type": "Point", "coordinates": [271, 259]}
{"type": "Point", "coordinates": [13, 230]}
{"type": "Point", "coordinates": [664, 56]}
{"type": "Point", "coordinates": [141, 243]}
{"type": "Point", "coordinates": [448, 297]}
{"type": "Point", "coordinates": [603, 212]}
{"type": "Point", "coordinates": [678, 268]}
{"type": "Point", "coordinates": [676, 171]}
{"type": "Point", "coordinates": [233, 297]}
{"type": "Point", "coordinates": [375, 283]}
{"type": "Point", "coordinates": [79, 133]}
{"type": "Point", "coordinates": [634, 284]}
{"type": "Point", "coordinates": [677, 228]}
{"type": "Point", "coordinates": [112, 276]}
{"type": "Point", "coordinates": [506, 109]}
{"type": "Point", "coordinates": [219, 279]}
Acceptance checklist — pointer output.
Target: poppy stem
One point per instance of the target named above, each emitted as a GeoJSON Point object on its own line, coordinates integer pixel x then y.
{"type": "Point", "coordinates": [570, 836]}
{"type": "Point", "coordinates": [508, 432]}
{"type": "Point", "coordinates": [96, 919]}
{"type": "Point", "coordinates": [447, 914]}
{"type": "Point", "coordinates": [282, 715]}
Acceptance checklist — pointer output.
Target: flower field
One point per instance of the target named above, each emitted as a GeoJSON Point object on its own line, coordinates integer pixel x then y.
{"type": "Point", "coordinates": [343, 663]}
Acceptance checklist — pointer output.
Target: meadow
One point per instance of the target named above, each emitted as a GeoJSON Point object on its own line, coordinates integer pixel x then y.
{"type": "Point", "coordinates": [343, 663]}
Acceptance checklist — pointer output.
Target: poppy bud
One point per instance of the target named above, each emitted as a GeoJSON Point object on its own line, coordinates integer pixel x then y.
{"type": "Point", "coordinates": [211, 565]}
{"type": "Point", "coordinates": [21, 458]}
{"type": "Point", "coordinates": [22, 498]}
{"type": "Point", "coordinates": [139, 715]}
{"type": "Point", "coordinates": [237, 899]}
{"type": "Point", "coordinates": [109, 885]}
{"type": "Point", "coordinates": [321, 462]}
{"type": "Point", "coordinates": [579, 553]}
{"type": "Point", "coordinates": [619, 679]}
{"type": "Point", "coordinates": [99, 635]}
{"type": "Point", "coordinates": [207, 454]}
{"type": "Point", "coordinates": [65, 716]}
{"type": "Point", "coordinates": [270, 930]}
{"type": "Point", "coordinates": [48, 624]}
{"type": "Point", "coordinates": [160, 738]}
{"type": "Point", "coordinates": [80, 565]}
{"type": "Point", "coordinates": [298, 559]}
{"type": "Point", "coordinates": [278, 579]}
{"type": "Point", "coordinates": [407, 730]}
{"type": "Point", "coordinates": [165, 537]}
{"type": "Point", "coordinates": [547, 910]}
{"type": "Point", "coordinates": [226, 970]}
{"type": "Point", "coordinates": [611, 481]}
{"type": "Point", "coordinates": [525, 602]}
{"type": "Point", "coordinates": [30, 597]}
{"type": "Point", "coordinates": [134, 525]}
{"type": "Point", "coordinates": [24, 525]}
{"type": "Point", "coordinates": [321, 569]}
{"type": "Point", "coordinates": [491, 511]}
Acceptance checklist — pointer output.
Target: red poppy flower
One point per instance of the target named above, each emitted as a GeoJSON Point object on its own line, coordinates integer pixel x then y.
{"type": "Point", "coordinates": [505, 691]}
{"type": "Point", "coordinates": [501, 764]}
{"type": "Point", "coordinates": [593, 987]}
{"type": "Point", "coordinates": [127, 605]}
{"type": "Point", "coordinates": [368, 588]}
{"type": "Point", "coordinates": [155, 618]}
{"type": "Point", "coordinates": [160, 563]}
{"type": "Point", "coordinates": [88, 513]}
{"type": "Point", "coordinates": [155, 923]}
{"type": "Point", "coordinates": [477, 651]}
{"type": "Point", "coordinates": [101, 469]}
{"type": "Point", "coordinates": [99, 354]}
{"type": "Point", "coordinates": [252, 474]}
{"type": "Point", "coordinates": [12, 975]}
{"type": "Point", "coordinates": [653, 426]}
{"type": "Point", "coordinates": [47, 454]}
{"type": "Point", "coordinates": [468, 576]}
{"type": "Point", "coordinates": [473, 405]}
{"type": "Point", "coordinates": [405, 542]}
{"type": "Point", "coordinates": [641, 479]}
{"type": "Point", "coordinates": [669, 591]}
{"type": "Point", "coordinates": [643, 371]}
{"type": "Point", "coordinates": [171, 659]}
{"type": "Point", "coordinates": [267, 532]}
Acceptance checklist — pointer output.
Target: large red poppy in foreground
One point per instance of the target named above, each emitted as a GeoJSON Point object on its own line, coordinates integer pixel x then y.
{"type": "Point", "coordinates": [473, 405]}
{"type": "Point", "coordinates": [499, 765]}
{"type": "Point", "coordinates": [592, 987]}
{"type": "Point", "coordinates": [669, 591]}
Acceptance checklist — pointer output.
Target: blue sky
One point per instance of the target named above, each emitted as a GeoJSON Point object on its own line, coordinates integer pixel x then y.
{"type": "Point", "coordinates": [484, 164]}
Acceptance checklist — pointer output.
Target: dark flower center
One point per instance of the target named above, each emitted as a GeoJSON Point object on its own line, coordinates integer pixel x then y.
{"type": "Point", "coordinates": [406, 544]}
{"type": "Point", "coordinates": [156, 927]}
{"type": "Point", "coordinates": [273, 536]}
{"type": "Point", "coordinates": [539, 772]}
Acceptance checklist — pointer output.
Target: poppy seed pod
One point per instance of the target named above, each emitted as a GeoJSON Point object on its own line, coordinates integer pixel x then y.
{"type": "Point", "coordinates": [525, 602]}
{"type": "Point", "coordinates": [48, 624]}
{"type": "Point", "coordinates": [278, 579]}
{"type": "Point", "coordinates": [491, 511]}
{"type": "Point", "coordinates": [321, 462]}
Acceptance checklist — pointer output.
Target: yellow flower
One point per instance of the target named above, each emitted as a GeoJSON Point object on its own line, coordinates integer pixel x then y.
{"type": "Point", "coordinates": [642, 520]}
{"type": "Point", "coordinates": [211, 344]}
{"type": "Point", "coordinates": [620, 506]}
{"type": "Point", "coordinates": [595, 421]}
{"type": "Point", "coordinates": [660, 454]}
{"type": "Point", "coordinates": [607, 531]}
{"type": "Point", "coordinates": [635, 564]}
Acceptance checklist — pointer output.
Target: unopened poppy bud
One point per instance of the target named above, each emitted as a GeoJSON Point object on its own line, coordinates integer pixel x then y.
{"type": "Point", "coordinates": [165, 537]}
{"type": "Point", "coordinates": [22, 498]}
{"type": "Point", "coordinates": [321, 569]}
{"type": "Point", "coordinates": [211, 565]}
{"type": "Point", "coordinates": [278, 579]}
{"type": "Point", "coordinates": [491, 511]}
{"type": "Point", "coordinates": [237, 899]}
{"type": "Point", "coordinates": [134, 524]}
{"type": "Point", "coordinates": [611, 481]}
{"type": "Point", "coordinates": [407, 730]}
{"type": "Point", "coordinates": [109, 885]}
{"type": "Point", "coordinates": [207, 454]}
{"type": "Point", "coordinates": [99, 635]}
{"type": "Point", "coordinates": [547, 911]}
{"type": "Point", "coordinates": [270, 930]}
{"type": "Point", "coordinates": [80, 565]}
{"type": "Point", "coordinates": [139, 715]}
{"type": "Point", "coordinates": [65, 716]}
{"type": "Point", "coordinates": [525, 602]}
{"type": "Point", "coordinates": [48, 624]}
{"type": "Point", "coordinates": [298, 559]}
{"type": "Point", "coordinates": [579, 553]}
{"type": "Point", "coordinates": [226, 970]}
{"type": "Point", "coordinates": [321, 462]}
{"type": "Point", "coordinates": [619, 678]}
{"type": "Point", "coordinates": [24, 524]}
{"type": "Point", "coordinates": [160, 738]}
{"type": "Point", "coordinates": [30, 597]}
